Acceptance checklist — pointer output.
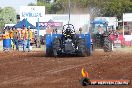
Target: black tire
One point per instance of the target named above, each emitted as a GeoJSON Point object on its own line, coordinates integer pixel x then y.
{"type": "Point", "coordinates": [88, 52]}
{"type": "Point", "coordinates": [92, 47]}
{"type": "Point", "coordinates": [56, 46]}
{"type": "Point", "coordinates": [82, 49]}
{"type": "Point", "coordinates": [49, 52]}
{"type": "Point", "coordinates": [108, 46]}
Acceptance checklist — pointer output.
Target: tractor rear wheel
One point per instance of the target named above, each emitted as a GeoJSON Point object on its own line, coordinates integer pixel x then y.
{"type": "Point", "coordinates": [49, 52]}
{"type": "Point", "coordinates": [56, 46]}
{"type": "Point", "coordinates": [108, 46]}
{"type": "Point", "coordinates": [83, 51]}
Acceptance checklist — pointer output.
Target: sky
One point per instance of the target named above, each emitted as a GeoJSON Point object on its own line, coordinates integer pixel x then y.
{"type": "Point", "coordinates": [15, 3]}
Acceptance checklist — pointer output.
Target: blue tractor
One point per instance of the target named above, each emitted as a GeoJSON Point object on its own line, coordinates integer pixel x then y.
{"type": "Point", "coordinates": [68, 43]}
{"type": "Point", "coordinates": [101, 38]}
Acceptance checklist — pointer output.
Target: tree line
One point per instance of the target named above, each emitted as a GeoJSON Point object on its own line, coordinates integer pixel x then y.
{"type": "Point", "coordinates": [94, 7]}
{"type": "Point", "coordinates": [7, 16]}
{"type": "Point", "coordinates": [107, 8]}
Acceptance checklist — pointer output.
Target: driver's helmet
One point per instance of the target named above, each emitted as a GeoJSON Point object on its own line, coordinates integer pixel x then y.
{"type": "Point", "coordinates": [68, 30]}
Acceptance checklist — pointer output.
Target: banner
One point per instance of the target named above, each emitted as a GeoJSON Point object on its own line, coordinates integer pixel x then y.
{"type": "Point", "coordinates": [127, 17]}
{"type": "Point", "coordinates": [32, 13]}
{"type": "Point", "coordinates": [51, 24]}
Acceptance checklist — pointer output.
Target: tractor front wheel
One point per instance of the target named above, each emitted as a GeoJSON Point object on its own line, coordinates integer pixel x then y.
{"type": "Point", "coordinates": [56, 46]}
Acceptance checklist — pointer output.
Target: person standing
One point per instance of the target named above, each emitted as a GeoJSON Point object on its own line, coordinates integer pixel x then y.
{"type": "Point", "coordinates": [80, 30]}
{"type": "Point", "coordinates": [100, 30]}
{"type": "Point", "coordinates": [29, 38]}
{"type": "Point", "coordinates": [16, 38]}
{"type": "Point", "coordinates": [23, 37]}
{"type": "Point", "coordinates": [11, 37]}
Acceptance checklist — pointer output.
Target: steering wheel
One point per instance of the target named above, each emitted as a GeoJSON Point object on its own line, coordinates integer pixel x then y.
{"type": "Point", "coordinates": [68, 26]}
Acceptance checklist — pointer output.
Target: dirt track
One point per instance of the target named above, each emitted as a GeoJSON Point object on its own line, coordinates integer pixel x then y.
{"type": "Point", "coordinates": [34, 70]}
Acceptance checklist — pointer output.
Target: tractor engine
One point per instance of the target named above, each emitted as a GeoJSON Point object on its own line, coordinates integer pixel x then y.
{"type": "Point", "coordinates": [68, 45]}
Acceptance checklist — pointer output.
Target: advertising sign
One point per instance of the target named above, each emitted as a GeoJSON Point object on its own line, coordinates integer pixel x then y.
{"type": "Point", "coordinates": [127, 17]}
{"type": "Point", "coordinates": [51, 24]}
{"type": "Point", "coordinates": [32, 13]}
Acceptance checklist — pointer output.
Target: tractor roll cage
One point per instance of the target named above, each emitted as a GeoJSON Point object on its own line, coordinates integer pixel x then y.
{"type": "Point", "coordinates": [68, 27]}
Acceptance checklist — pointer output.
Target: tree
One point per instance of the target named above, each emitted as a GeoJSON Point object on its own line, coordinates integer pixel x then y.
{"type": "Point", "coordinates": [117, 8]}
{"type": "Point", "coordinates": [46, 4]}
{"type": "Point", "coordinates": [93, 7]}
{"type": "Point", "coordinates": [8, 14]}
{"type": "Point", "coordinates": [48, 1]}
{"type": "Point", "coordinates": [31, 4]}
{"type": "Point", "coordinates": [0, 9]}
{"type": "Point", "coordinates": [56, 7]}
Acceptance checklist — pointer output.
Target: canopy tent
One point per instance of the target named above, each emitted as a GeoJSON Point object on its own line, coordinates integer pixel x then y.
{"type": "Point", "coordinates": [24, 22]}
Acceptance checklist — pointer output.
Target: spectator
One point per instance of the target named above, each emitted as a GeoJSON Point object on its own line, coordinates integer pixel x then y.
{"type": "Point", "coordinates": [11, 37]}
{"type": "Point", "coordinates": [16, 38]}
{"type": "Point", "coordinates": [29, 38]}
{"type": "Point", "coordinates": [24, 37]}
{"type": "Point", "coordinates": [100, 29]}
{"type": "Point", "coordinates": [35, 41]}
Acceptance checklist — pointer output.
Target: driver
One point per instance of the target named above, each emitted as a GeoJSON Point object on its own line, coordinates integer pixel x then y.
{"type": "Point", "coordinates": [100, 29]}
{"type": "Point", "coordinates": [68, 32]}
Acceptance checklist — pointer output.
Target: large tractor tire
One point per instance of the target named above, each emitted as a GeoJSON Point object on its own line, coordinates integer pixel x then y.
{"type": "Point", "coordinates": [49, 52]}
{"type": "Point", "coordinates": [82, 49]}
{"type": "Point", "coordinates": [108, 46]}
{"type": "Point", "coordinates": [56, 46]}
